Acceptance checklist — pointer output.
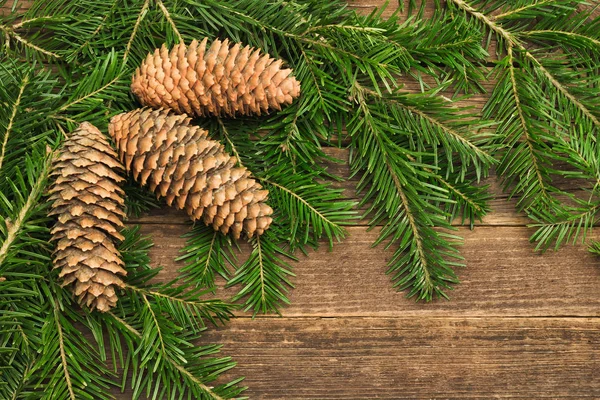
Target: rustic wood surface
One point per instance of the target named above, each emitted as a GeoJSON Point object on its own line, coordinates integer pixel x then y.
{"type": "Point", "coordinates": [520, 324]}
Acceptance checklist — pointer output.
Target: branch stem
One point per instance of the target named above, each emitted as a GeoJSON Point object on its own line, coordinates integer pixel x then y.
{"type": "Point", "coordinates": [15, 226]}
{"type": "Point", "coordinates": [63, 356]}
{"type": "Point", "coordinates": [262, 268]}
{"type": "Point", "coordinates": [11, 121]}
{"type": "Point", "coordinates": [228, 139]}
{"type": "Point", "coordinates": [520, 9]}
{"type": "Point", "coordinates": [167, 15]}
{"type": "Point", "coordinates": [10, 32]}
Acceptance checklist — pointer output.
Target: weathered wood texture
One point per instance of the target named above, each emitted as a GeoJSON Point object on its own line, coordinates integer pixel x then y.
{"type": "Point", "coordinates": [520, 325]}
{"type": "Point", "coordinates": [391, 358]}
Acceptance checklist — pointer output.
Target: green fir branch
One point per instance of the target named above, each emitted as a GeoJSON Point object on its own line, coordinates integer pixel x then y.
{"type": "Point", "coordinates": [310, 209]}
{"type": "Point", "coordinates": [206, 253]}
{"type": "Point", "coordinates": [395, 185]}
{"type": "Point", "coordinates": [190, 374]}
{"type": "Point", "coordinates": [264, 277]}
{"type": "Point", "coordinates": [545, 96]}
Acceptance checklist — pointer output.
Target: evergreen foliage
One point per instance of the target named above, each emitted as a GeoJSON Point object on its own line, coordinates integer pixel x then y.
{"type": "Point", "coordinates": [418, 158]}
{"type": "Point", "coordinates": [547, 107]}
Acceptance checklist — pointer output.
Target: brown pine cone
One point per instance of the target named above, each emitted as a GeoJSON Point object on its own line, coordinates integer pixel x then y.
{"type": "Point", "coordinates": [216, 81]}
{"type": "Point", "coordinates": [89, 205]}
{"type": "Point", "coordinates": [179, 162]}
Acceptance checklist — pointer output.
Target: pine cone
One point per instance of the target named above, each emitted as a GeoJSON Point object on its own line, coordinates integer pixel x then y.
{"type": "Point", "coordinates": [179, 162]}
{"type": "Point", "coordinates": [216, 81]}
{"type": "Point", "coordinates": [89, 205]}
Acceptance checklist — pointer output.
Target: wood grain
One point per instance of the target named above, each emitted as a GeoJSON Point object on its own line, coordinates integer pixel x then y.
{"type": "Point", "coordinates": [520, 325]}
{"type": "Point", "coordinates": [415, 358]}
{"type": "Point", "coordinates": [503, 277]}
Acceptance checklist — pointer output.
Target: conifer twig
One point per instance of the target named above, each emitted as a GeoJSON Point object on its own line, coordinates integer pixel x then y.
{"type": "Point", "coordinates": [63, 356]}
{"type": "Point", "coordinates": [15, 226]}
{"type": "Point", "coordinates": [10, 32]}
{"type": "Point", "coordinates": [165, 12]}
{"type": "Point", "coordinates": [11, 120]}
{"type": "Point", "coordinates": [176, 365]}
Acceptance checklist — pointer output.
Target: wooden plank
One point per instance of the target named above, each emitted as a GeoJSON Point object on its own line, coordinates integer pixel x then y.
{"type": "Point", "coordinates": [414, 358]}
{"type": "Point", "coordinates": [368, 6]}
{"type": "Point", "coordinates": [503, 277]}
{"type": "Point", "coordinates": [18, 6]}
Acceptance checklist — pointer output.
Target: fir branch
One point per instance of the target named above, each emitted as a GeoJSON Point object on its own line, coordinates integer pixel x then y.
{"type": "Point", "coordinates": [553, 96]}
{"type": "Point", "coordinates": [303, 201]}
{"type": "Point", "coordinates": [398, 200]}
{"type": "Point", "coordinates": [16, 313]}
{"type": "Point", "coordinates": [24, 89]}
{"type": "Point", "coordinates": [594, 247]}
{"type": "Point", "coordinates": [148, 307]}
{"type": "Point", "coordinates": [97, 30]}
{"type": "Point", "coordinates": [11, 120]}
{"type": "Point", "coordinates": [205, 255]}
{"type": "Point", "coordinates": [68, 367]}
{"type": "Point", "coordinates": [186, 307]}
{"type": "Point", "coordinates": [472, 200]}
{"type": "Point", "coordinates": [171, 363]}
{"type": "Point", "coordinates": [513, 42]}
{"type": "Point", "coordinates": [561, 88]}
{"type": "Point", "coordinates": [264, 276]}
{"type": "Point", "coordinates": [541, 183]}
{"type": "Point", "coordinates": [311, 207]}
{"type": "Point", "coordinates": [109, 70]}
{"type": "Point", "coordinates": [13, 227]}
{"type": "Point", "coordinates": [63, 357]}
{"type": "Point", "coordinates": [566, 227]}
{"type": "Point", "coordinates": [159, 324]}
{"type": "Point", "coordinates": [165, 12]}
{"type": "Point", "coordinates": [10, 32]}
{"type": "Point", "coordinates": [197, 381]}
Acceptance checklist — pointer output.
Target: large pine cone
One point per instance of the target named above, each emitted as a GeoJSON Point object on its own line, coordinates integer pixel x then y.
{"type": "Point", "coordinates": [214, 81]}
{"type": "Point", "coordinates": [179, 162]}
{"type": "Point", "coordinates": [89, 204]}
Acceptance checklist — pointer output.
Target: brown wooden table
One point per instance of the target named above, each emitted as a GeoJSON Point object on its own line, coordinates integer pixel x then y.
{"type": "Point", "coordinates": [520, 325]}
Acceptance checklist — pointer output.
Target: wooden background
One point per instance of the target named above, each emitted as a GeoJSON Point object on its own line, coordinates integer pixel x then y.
{"type": "Point", "coordinates": [520, 325]}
